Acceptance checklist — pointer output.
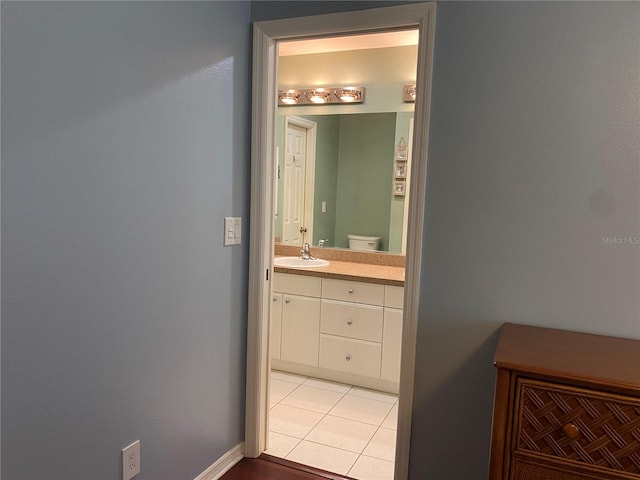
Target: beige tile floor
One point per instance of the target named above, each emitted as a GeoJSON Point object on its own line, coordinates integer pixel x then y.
{"type": "Point", "coordinates": [343, 429]}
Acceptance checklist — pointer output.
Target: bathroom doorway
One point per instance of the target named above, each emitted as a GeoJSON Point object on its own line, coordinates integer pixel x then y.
{"type": "Point", "coordinates": [295, 180]}
{"type": "Point", "coordinates": [266, 36]}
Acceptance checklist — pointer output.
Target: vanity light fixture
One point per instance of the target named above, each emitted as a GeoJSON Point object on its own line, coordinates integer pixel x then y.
{"type": "Point", "coordinates": [320, 96]}
{"type": "Point", "coordinates": [288, 97]}
{"type": "Point", "coordinates": [349, 95]}
{"type": "Point", "coordinates": [409, 93]}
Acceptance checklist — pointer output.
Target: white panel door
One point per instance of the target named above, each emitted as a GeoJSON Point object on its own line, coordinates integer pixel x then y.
{"type": "Point", "coordinates": [294, 185]}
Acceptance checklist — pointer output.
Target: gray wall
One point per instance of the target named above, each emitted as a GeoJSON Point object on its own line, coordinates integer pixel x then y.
{"type": "Point", "coordinates": [125, 143]}
{"type": "Point", "coordinates": [533, 161]}
{"type": "Point", "coordinates": [533, 166]}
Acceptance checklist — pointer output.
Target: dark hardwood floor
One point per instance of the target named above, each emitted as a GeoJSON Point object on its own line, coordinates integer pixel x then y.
{"type": "Point", "coordinates": [267, 467]}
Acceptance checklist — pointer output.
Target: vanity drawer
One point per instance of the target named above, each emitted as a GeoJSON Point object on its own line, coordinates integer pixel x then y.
{"type": "Point", "coordinates": [599, 430]}
{"type": "Point", "coordinates": [348, 291]}
{"type": "Point", "coordinates": [393, 296]}
{"type": "Point", "coordinates": [351, 320]}
{"type": "Point", "coordinates": [352, 356]}
{"type": "Point", "coordinates": [297, 284]}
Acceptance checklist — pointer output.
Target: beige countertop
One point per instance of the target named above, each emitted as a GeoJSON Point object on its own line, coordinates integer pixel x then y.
{"type": "Point", "coordinates": [359, 272]}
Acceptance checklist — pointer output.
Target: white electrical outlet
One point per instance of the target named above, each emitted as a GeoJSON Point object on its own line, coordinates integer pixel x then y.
{"type": "Point", "coordinates": [131, 460]}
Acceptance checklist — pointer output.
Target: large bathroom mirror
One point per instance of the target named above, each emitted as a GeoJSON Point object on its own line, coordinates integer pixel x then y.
{"type": "Point", "coordinates": [339, 175]}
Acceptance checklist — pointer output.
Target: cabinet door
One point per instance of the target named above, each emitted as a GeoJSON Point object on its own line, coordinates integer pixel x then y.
{"type": "Point", "coordinates": [300, 329]}
{"type": "Point", "coordinates": [391, 344]}
{"type": "Point", "coordinates": [276, 325]}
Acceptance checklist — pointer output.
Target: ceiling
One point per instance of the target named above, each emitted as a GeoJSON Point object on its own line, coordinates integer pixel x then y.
{"type": "Point", "coordinates": [352, 42]}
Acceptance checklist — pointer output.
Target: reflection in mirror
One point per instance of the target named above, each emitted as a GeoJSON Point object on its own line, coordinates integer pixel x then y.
{"type": "Point", "coordinates": [338, 165]}
{"type": "Point", "coordinates": [351, 192]}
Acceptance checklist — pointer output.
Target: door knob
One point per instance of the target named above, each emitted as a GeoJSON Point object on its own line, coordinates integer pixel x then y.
{"type": "Point", "coordinates": [287, 300]}
{"type": "Point", "coordinates": [348, 357]}
{"type": "Point", "coordinates": [349, 322]}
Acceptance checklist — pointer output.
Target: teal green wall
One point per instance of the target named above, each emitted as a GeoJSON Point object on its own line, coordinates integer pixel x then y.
{"type": "Point", "coordinates": [326, 176]}
{"type": "Point", "coordinates": [365, 175]}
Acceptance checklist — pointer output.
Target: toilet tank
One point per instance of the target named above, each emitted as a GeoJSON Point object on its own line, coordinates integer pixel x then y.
{"type": "Point", "coordinates": [363, 242]}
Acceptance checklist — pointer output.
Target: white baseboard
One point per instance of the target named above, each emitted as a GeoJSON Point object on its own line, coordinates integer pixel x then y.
{"type": "Point", "coordinates": [223, 464]}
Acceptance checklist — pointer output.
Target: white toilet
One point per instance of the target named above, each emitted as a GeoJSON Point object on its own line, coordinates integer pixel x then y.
{"type": "Point", "coordinates": [363, 242]}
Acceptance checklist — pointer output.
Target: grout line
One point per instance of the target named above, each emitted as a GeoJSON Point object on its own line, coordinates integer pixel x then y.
{"type": "Point", "coordinates": [331, 446]}
{"type": "Point", "coordinates": [373, 456]}
{"type": "Point", "coordinates": [395, 423]}
{"type": "Point", "coordinates": [327, 413]}
{"type": "Point", "coordinates": [369, 442]}
{"type": "Point", "coordinates": [329, 382]}
{"type": "Point", "coordinates": [298, 440]}
{"type": "Point", "coordinates": [308, 409]}
{"type": "Point", "coordinates": [351, 394]}
{"type": "Point", "coordinates": [289, 381]}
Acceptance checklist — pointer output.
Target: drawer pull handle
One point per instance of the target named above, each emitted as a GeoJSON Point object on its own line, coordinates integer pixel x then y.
{"type": "Point", "coordinates": [348, 357]}
{"type": "Point", "coordinates": [351, 290]}
{"type": "Point", "coordinates": [287, 300]}
{"type": "Point", "coordinates": [349, 322]}
{"type": "Point", "coordinates": [275, 299]}
{"type": "Point", "coordinates": [571, 431]}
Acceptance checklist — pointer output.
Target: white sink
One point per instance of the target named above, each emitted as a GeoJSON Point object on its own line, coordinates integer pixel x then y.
{"type": "Point", "coordinates": [298, 262]}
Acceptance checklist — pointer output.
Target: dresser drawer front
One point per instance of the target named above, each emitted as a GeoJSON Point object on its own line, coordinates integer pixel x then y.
{"type": "Point", "coordinates": [595, 429]}
{"type": "Point", "coordinates": [351, 356]}
{"type": "Point", "coordinates": [351, 320]}
{"type": "Point", "coordinates": [524, 470]}
{"type": "Point", "coordinates": [359, 292]}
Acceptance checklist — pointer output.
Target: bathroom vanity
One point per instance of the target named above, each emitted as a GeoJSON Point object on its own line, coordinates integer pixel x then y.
{"type": "Point", "coordinates": [339, 323]}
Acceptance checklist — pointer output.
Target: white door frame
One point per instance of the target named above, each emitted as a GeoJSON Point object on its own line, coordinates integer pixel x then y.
{"type": "Point", "coordinates": [310, 168]}
{"type": "Point", "coordinates": [264, 100]}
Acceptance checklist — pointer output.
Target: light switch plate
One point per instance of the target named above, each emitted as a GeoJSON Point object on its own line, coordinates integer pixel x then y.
{"type": "Point", "coordinates": [232, 231]}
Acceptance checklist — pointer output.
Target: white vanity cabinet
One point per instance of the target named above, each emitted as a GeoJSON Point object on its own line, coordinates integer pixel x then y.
{"type": "Point", "coordinates": [341, 330]}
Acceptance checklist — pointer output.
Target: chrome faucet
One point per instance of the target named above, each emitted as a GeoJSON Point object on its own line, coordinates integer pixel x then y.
{"type": "Point", "coordinates": [305, 253]}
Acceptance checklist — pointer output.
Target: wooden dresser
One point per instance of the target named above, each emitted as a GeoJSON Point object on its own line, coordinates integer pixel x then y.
{"type": "Point", "coordinates": [566, 407]}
